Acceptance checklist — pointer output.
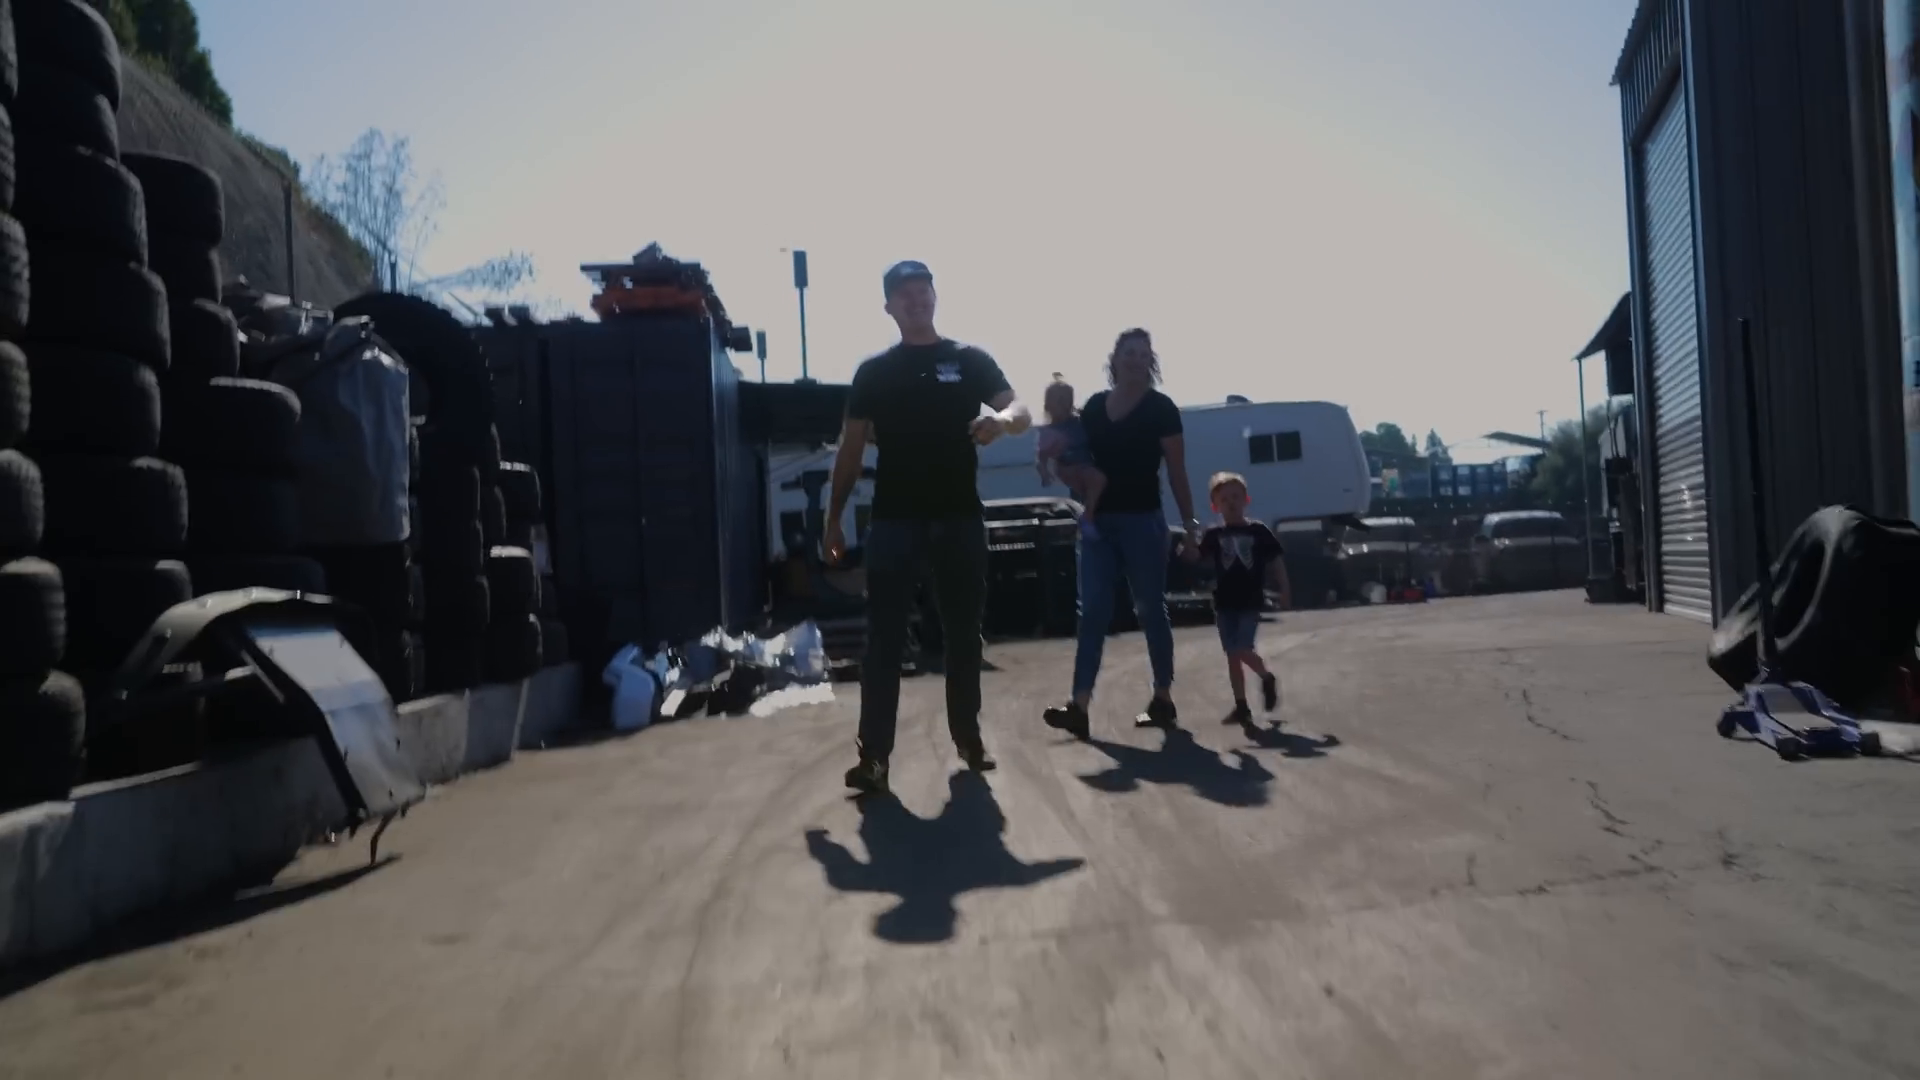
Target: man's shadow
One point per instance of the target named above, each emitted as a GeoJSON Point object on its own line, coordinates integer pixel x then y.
{"type": "Point", "coordinates": [929, 863]}
{"type": "Point", "coordinates": [1182, 761]}
{"type": "Point", "coordinates": [1270, 737]}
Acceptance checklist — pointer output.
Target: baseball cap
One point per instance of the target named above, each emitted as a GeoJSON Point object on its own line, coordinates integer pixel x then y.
{"type": "Point", "coordinates": [902, 272]}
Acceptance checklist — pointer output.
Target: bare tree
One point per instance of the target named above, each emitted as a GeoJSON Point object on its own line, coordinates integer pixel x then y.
{"type": "Point", "coordinates": [374, 190]}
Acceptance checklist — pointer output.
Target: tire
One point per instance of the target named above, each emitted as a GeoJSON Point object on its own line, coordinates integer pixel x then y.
{"type": "Point", "coordinates": [456, 660]}
{"type": "Point", "coordinates": [9, 56]}
{"type": "Point", "coordinates": [377, 578]}
{"type": "Point", "coordinates": [43, 739]}
{"type": "Point", "coordinates": [9, 158]}
{"type": "Point", "coordinates": [16, 395]}
{"type": "Point", "coordinates": [514, 649]}
{"type": "Point", "coordinates": [513, 583]}
{"type": "Point", "coordinates": [186, 200]}
{"type": "Point", "coordinates": [549, 598]}
{"type": "Point", "coordinates": [236, 425]}
{"type": "Point", "coordinates": [23, 508]}
{"type": "Point", "coordinates": [205, 340]}
{"type": "Point", "coordinates": [455, 548]}
{"type": "Point", "coordinates": [519, 534]}
{"type": "Point", "coordinates": [86, 401]}
{"type": "Point", "coordinates": [14, 288]}
{"type": "Point", "coordinates": [241, 513]}
{"type": "Point", "coordinates": [520, 488]}
{"type": "Point", "coordinates": [450, 493]}
{"type": "Point", "coordinates": [84, 298]}
{"type": "Point", "coordinates": [99, 505]}
{"type": "Point", "coordinates": [112, 603]}
{"type": "Point", "coordinates": [224, 573]}
{"type": "Point", "coordinates": [493, 515]}
{"type": "Point", "coordinates": [446, 358]}
{"type": "Point", "coordinates": [70, 196]}
{"type": "Point", "coordinates": [456, 603]}
{"type": "Point", "coordinates": [33, 618]}
{"type": "Point", "coordinates": [554, 646]}
{"type": "Point", "coordinates": [394, 661]}
{"type": "Point", "coordinates": [189, 271]}
{"type": "Point", "coordinates": [70, 35]}
{"type": "Point", "coordinates": [416, 596]}
{"type": "Point", "coordinates": [58, 108]}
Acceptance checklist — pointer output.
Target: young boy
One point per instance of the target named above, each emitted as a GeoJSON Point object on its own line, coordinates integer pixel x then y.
{"type": "Point", "coordinates": [1246, 558]}
{"type": "Point", "coordinates": [1062, 445]}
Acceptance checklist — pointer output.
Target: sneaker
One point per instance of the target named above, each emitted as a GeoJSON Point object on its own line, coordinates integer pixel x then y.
{"type": "Point", "coordinates": [1160, 713]}
{"type": "Point", "coordinates": [1269, 691]}
{"type": "Point", "coordinates": [1070, 718]}
{"type": "Point", "coordinates": [1241, 714]}
{"type": "Point", "coordinates": [869, 777]}
{"type": "Point", "coordinates": [977, 759]}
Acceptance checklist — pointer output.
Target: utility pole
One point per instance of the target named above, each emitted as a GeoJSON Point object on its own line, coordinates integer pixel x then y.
{"type": "Point", "coordinates": [760, 346]}
{"type": "Point", "coordinates": [800, 283]}
{"type": "Point", "coordinates": [1543, 425]}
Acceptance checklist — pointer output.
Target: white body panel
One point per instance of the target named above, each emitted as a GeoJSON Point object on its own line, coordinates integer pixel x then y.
{"type": "Point", "coordinates": [1328, 478]}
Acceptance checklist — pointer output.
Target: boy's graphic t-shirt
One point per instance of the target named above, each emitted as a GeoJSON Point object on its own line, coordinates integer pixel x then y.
{"type": "Point", "coordinates": [1241, 555]}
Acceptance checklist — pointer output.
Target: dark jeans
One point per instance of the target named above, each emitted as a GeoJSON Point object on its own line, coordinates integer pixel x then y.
{"type": "Point", "coordinates": [898, 556]}
{"type": "Point", "coordinates": [1134, 547]}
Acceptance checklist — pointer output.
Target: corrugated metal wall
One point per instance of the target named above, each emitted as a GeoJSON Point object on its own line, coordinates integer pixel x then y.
{"type": "Point", "coordinates": [1779, 241]}
{"type": "Point", "coordinates": [1780, 246]}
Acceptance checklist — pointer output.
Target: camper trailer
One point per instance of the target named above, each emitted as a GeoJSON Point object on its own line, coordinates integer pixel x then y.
{"type": "Point", "coordinates": [1302, 461]}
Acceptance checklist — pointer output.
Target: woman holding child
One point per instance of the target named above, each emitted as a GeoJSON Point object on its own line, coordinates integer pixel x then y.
{"type": "Point", "coordinates": [1110, 452]}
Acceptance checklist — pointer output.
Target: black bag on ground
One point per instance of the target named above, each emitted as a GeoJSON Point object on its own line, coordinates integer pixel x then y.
{"type": "Point", "coordinates": [1846, 604]}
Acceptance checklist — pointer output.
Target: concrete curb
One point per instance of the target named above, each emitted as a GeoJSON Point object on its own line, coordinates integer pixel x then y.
{"type": "Point", "coordinates": [69, 870]}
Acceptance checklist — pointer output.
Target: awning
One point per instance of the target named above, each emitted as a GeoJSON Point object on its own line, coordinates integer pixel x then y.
{"type": "Point", "coordinates": [1615, 339]}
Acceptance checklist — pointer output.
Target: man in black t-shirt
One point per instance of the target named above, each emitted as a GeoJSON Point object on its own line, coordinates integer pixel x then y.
{"type": "Point", "coordinates": [919, 403]}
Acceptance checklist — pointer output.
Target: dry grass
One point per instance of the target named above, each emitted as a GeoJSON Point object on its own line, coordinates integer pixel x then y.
{"type": "Point", "coordinates": [156, 117]}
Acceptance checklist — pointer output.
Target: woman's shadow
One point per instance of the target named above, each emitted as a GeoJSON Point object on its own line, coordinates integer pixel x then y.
{"type": "Point", "coordinates": [1182, 761]}
{"type": "Point", "coordinates": [928, 863]}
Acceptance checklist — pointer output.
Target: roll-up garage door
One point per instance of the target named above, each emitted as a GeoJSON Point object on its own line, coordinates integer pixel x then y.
{"type": "Point", "coordinates": [1679, 436]}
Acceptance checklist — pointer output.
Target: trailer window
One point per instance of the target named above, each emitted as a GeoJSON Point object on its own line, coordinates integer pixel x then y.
{"type": "Point", "coordinates": [1278, 446]}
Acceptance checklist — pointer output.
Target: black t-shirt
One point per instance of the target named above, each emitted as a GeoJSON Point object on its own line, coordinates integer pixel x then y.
{"type": "Point", "coordinates": [1240, 555]}
{"type": "Point", "coordinates": [921, 400]}
{"type": "Point", "coordinates": [1128, 450]}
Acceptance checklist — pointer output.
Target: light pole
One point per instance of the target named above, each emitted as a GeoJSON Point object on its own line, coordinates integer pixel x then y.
{"type": "Point", "coordinates": [760, 346]}
{"type": "Point", "coordinates": [800, 284]}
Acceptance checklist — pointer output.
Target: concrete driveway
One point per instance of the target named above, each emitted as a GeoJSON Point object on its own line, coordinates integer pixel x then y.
{"type": "Point", "coordinates": [1493, 838]}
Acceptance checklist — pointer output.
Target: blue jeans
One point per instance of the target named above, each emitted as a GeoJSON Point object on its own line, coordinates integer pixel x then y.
{"type": "Point", "coordinates": [1239, 629]}
{"type": "Point", "coordinates": [1134, 546]}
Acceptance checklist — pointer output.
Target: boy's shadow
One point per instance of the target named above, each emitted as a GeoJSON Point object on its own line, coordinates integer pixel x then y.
{"type": "Point", "coordinates": [929, 863]}
{"type": "Point", "coordinates": [1180, 760]}
{"type": "Point", "coordinates": [1271, 737]}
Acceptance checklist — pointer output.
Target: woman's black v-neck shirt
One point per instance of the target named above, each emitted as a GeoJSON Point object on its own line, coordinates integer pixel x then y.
{"type": "Point", "coordinates": [1128, 450]}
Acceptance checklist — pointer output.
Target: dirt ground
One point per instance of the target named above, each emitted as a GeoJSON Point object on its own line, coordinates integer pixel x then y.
{"type": "Point", "coordinates": [1490, 838]}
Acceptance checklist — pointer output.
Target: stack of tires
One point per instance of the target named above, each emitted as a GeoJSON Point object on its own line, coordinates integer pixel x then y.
{"type": "Point", "coordinates": [515, 634]}
{"type": "Point", "coordinates": [96, 339]}
{"type": "Point", "coordinates": [235, 438]}
{"type": "Point", "coordinates": [42, 710]}
{"type": "Point", "coordinates": [457, 487]}
{"type": "Point", "coordinates": [382, 581]}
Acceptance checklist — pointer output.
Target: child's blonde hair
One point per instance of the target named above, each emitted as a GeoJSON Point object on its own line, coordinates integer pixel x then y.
{"type": "Point", "coordinates": [1223, 479]}
{"type": "Point", "coordinates": [1058, 401]}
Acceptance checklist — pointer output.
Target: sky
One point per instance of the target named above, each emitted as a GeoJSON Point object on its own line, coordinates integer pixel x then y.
{"type": "Point", "coordinates": [1414, 209]}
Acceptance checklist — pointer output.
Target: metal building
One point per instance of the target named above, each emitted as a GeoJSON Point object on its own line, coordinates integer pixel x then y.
{"type": "Point", "coordinates": [1756, 174]}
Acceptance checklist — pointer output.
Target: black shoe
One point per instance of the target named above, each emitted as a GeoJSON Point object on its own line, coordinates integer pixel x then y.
{"type": "Point", "coordinates": [1160, 713]}
{"type": "Point", "coordinates": [869, 777]}
{"type": "Point", "coordinates": [1269, 691]}
{"type": "Point", "coordinates": [1241, 714]}
{"type": "Point", "coordinates": [1070, 718]}
{"type": "Point", "coordinates": [976, 758]}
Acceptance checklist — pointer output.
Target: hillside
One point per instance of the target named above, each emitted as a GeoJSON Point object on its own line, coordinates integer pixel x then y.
{"type": "Point", "coordinates": [156, 117]}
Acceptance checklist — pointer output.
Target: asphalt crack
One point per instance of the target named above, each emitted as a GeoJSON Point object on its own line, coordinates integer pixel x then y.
{"type": "Point", "coordinates": [1526, 703]}
{"type": "Point", "coordinates": [1615, 824]}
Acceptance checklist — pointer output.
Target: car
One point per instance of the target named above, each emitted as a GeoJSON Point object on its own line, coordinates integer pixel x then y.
{"type": "Point", "coordinates": [1527, 550]}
